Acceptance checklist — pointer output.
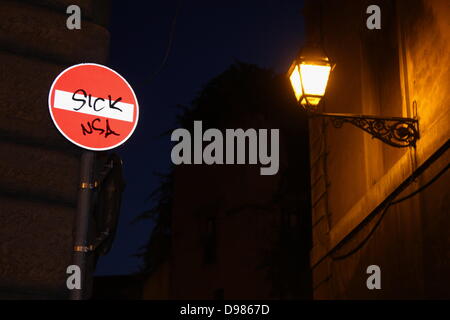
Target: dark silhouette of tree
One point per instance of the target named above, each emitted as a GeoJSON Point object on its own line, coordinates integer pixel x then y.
{"type": "Point", "coordinates": [245, 91]}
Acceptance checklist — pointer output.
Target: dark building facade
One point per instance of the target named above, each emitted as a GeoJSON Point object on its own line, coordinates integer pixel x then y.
{"type": "Point", "coordinates": [39, 169]}
{"type": "Point", "coordinates": [234, 233]}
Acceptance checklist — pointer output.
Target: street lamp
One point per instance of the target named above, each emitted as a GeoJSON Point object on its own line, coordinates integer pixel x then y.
{"type": "Point", "coordinates": [309, 76]}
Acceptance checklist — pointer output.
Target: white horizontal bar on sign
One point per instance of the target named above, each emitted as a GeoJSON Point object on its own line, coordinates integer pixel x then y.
{"type": "Point", "coordinates": [119, 110]}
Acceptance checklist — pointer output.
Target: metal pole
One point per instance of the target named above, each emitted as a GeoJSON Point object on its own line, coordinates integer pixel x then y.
{"type": "Point", "coordinates": [81, 246]}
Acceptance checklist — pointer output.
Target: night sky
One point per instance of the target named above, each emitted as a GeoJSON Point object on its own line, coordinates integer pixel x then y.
{"type": "Point", "coordinates": [209, 36]}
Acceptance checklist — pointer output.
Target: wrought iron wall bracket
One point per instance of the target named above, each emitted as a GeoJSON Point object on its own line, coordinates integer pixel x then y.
{"type": "Point", "coordinates": [395, 131]}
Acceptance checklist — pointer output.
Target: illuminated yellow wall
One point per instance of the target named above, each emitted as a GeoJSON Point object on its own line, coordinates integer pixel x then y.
{"type": "Point", "coordinates": [382, 72]}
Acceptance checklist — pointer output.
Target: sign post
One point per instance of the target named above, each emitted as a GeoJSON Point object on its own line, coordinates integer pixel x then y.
{"type": "Point", "coordinates": [81, 246]}
{"type": "Point", "coordinates": [95, 108]}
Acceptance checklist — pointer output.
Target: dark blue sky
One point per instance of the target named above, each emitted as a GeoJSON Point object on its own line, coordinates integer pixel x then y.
{"type": "Point", "coordinates": [209, 36]}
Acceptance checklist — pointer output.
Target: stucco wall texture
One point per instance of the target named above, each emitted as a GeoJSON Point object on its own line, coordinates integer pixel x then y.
{"type": "Point", "coordinates": [39, 170]}
{"type": "Point", "coordinates": [401, 70]}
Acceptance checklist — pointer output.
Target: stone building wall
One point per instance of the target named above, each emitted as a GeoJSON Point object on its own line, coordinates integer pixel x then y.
{"type": "Point", "coordinates": [401, 70]}
{"type": "Point", "coordinates": [38, 168]}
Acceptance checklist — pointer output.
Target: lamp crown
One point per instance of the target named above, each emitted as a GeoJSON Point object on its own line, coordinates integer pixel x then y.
{"type": "Point", "coordinates": [313, 52]}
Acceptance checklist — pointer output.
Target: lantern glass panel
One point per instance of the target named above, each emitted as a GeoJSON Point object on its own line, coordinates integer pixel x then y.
{"type": "Point", "coordinates": [296, 82]}
{"type": "Point", "coordinates": [314, 78]}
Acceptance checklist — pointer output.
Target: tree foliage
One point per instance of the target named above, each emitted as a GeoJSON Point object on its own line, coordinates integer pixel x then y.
{"type": "Point", "coordinates": [245, 91]}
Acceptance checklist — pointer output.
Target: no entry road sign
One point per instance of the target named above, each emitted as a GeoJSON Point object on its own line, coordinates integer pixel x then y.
{"type": "Point", "coordinates": [93, 106]}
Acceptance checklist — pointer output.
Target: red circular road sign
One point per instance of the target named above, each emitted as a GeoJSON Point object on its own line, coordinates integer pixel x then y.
{"type": "Point", "coordinates": [93, 106]}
